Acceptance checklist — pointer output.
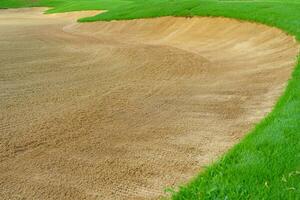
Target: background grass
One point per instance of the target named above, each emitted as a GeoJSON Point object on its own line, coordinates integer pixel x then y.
{"type": "Point", "coordinates": [266, 163]}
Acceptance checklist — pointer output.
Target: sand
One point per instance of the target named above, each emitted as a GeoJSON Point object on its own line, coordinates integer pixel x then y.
{"type": "Point", "coordinates": [125, 109]}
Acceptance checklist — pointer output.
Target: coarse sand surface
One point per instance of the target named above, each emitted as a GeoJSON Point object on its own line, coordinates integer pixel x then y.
{"type": "Point", "coordinates": [124, 109]}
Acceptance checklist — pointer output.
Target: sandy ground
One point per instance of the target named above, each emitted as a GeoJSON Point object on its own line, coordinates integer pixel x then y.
{"type": "Point", "coordinates": [122, 110]}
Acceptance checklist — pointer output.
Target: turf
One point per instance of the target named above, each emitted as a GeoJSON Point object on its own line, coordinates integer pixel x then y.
{"type": "Point", "coordinates": [266, 163]}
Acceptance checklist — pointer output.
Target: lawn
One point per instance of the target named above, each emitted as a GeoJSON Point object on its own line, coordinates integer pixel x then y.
{"type": "Point", "coordinates": [266, 163]}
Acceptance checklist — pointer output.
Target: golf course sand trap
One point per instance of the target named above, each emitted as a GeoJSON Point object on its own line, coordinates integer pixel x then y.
{"type": "Point", "coordinates": [125, 109]}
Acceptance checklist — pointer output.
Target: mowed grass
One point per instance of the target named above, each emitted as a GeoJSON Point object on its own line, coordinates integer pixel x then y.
{"type": "Point", "coordinates": [266, 163]}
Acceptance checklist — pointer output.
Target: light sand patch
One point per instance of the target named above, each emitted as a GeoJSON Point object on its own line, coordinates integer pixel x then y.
{"type": "Point", "coordinates": [122, 110]}
{"type": "Point", "coordinates": [75, 15]}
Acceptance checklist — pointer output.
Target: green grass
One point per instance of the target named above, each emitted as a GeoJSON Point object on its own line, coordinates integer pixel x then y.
{"type": "Point", "coordinates": [266, 163]}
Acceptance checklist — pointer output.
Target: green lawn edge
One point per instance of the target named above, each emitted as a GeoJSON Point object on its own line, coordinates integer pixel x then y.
{"type": "Point", "coordinates": [266, 162]}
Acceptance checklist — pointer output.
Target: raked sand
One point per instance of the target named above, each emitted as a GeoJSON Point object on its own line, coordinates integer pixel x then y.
{"type": "Point", "coordinates": [125, 109]}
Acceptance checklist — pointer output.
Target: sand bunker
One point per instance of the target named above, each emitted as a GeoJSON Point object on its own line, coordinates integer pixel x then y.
{"type": "Point", "coordinates": [122, 110]}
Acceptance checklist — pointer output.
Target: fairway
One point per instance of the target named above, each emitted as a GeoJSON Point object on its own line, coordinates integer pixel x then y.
{"type": "Point", "coordinates": [124, 109]}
